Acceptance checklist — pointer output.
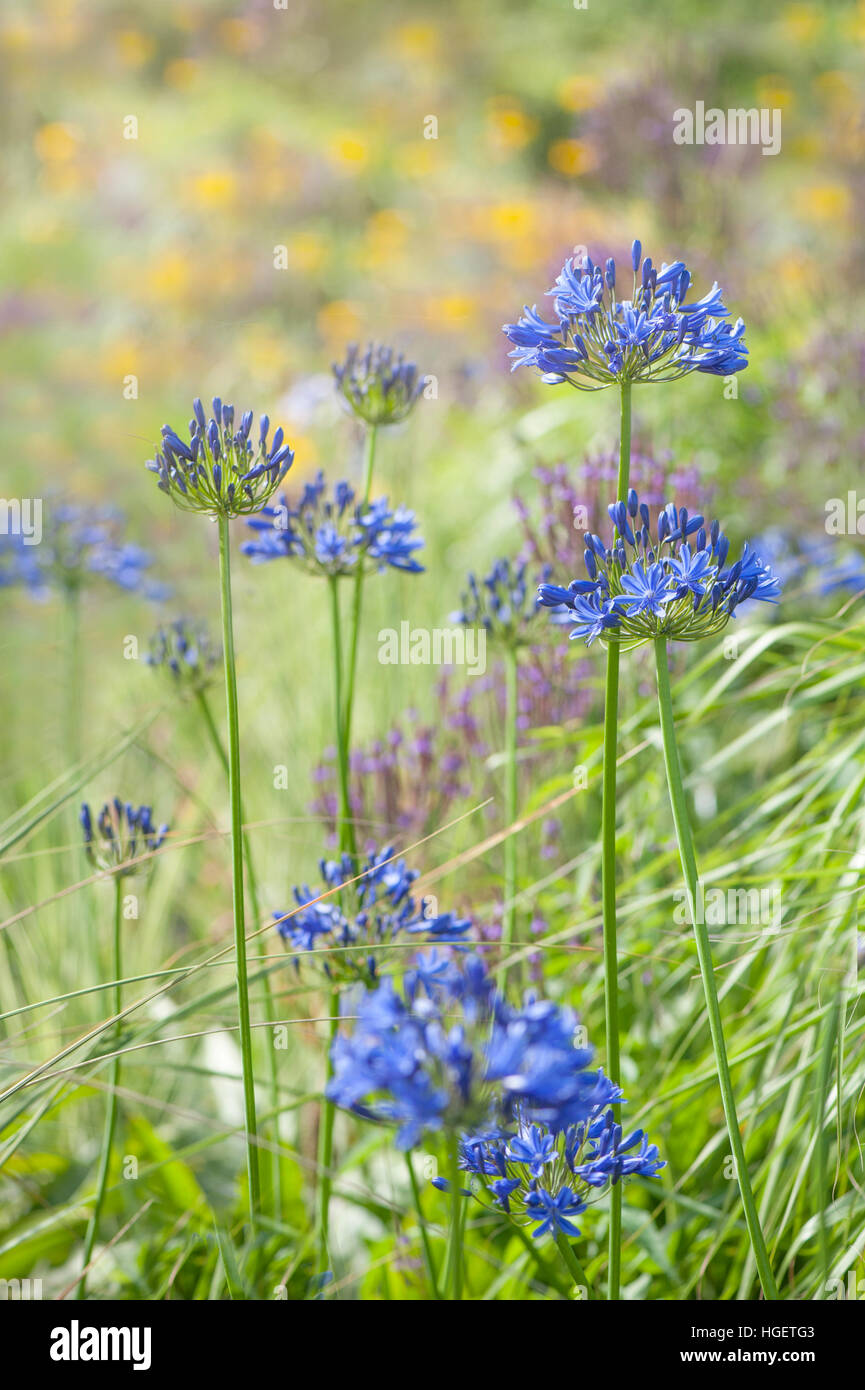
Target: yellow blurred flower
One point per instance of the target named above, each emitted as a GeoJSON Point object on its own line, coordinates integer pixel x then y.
{"type": "Point", "coordinates": [57, 142]}
{"type": "Point", "coordinates": [802, 23]}
{"type": "Point", "coordinates": [835, 88]}
{"type": "Point", "coordinates": [451, 310]}
{"type": "Point", "coordinates": [307, 252]}
{"type": "Point", "coordinates": [349, 150]}
{"type": "Point", "coordinates": [825, 202]}
{"type": "Point", "coordinates": [417, 160]}
{"type": "Point", "coordinates": [215, 189]}
{"type": "Point", "coordinates": [579, 93]}
{"type": "Point", "coordinates": [181, 73]}
{"type": "Point", "coordinates": [386, 236]}
{"type": "Point", "coordinates": [773, 94]}
{"type": "Point", "coordinates": [236, 35]}
{"type": "Point", "coordinates": [169, 277]}
{"type": "Point", "coordinates": [510, 128]}
{"type": "Point", "coordinates": [339, 322]}
{"type": "Point", "coordinates": [855, 23]}
{"type": "Point", "coordinates": [17, 35]}
{"type": "Point", "coordinates": [416, 41]}
{"type": "Point", "coordinates": [510, 221]}
{"type": "Point", "coordinates": [571, 157]}
{"type": "Point", "coordinates": [134, 49]}
{"type": "Point", "coordinates": [796, 270]}
{"type": "Point", "coordinates": [261, 350]}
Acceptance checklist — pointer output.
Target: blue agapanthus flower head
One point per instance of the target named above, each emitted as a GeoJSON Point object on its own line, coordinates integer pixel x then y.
{"type": "Point", "coordinates": [504, 602]}
{"type": "Point", "coordinates": [545, 1178]}
{"type": "Point", "coordinates": [330, 533]}
{"type": "Point", "coordinates": [351, 931]}
{"type": "Point", "coordinates": [451, 1053]}
{"type": "Point", "coordinates": [78, 544]}
{"type": "Point", "coordinates": [227, 467]}
{"type": "Point", "coordinates": [378, 384]}
{"type": "Point", "coordinates": [646, 329]}
{"type": "Point", "coordinates": [119, 836]}
{"type": "Point", "coordinates": [664, 577]}
{"type": "Point", "coordinates": [185, 650]}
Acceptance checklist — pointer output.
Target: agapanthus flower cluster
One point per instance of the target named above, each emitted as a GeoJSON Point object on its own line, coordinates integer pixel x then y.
{"type": "Point", "coordinates": [546, 1177]}
{"type": "Point", "coordinates": [653, 335]}
{"type": "Point", "coordinates": [815, 562]}
{"type": "Point", "coordinates": [504, 603]}
{"type": "Point", "coordinates": [184, 649]}
{"type": "Point", "coordinates": [672, 580]}
{"type": "Point", "coordinates": [378, 384]}
{"type": "Point", "coordinates": [330, 533]}
{"type": "Point", "coordinates": [373, 911]}
{"type": "Point", "coordinates": [121, 835]}
{"type": "Point", "coordinates": [79, 543]}
{"type": "Point", "coordinates": [224, 469]}
{"type": "Point", "coordinates": [451, 1053]}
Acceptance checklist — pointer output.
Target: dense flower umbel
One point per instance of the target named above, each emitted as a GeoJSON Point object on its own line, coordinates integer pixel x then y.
{"type": "Point", "coordinates": [79, 543]}
{"type": "Point", "coordinates": [672, 580]}
{"type": "Point", "coordinates": [332, 535]}
{"type": "Point", "coordinates": [599, 339]}
{"type": "Point", "coordinates": [222, 470]}
{"type": "Point", "coordinates": [184, 649]}
{"type": "Point", "coordinates": [504, 602]}
{"type": "Point", "coordinates": [369, 914]}
{"type": "Point", "coordinates": [379, 385]}
{"type": "Point", "coordinates": [121, 835]}
{"type": "Point", "coordinates": [452, 1053]}
{"type": "Point", "coordinates": [547, 1177]}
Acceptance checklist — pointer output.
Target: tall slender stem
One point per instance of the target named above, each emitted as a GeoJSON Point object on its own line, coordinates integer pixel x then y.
{"type": "Point", "coordinates": [429, 1262]}
{"type": "Point", "coordinates": [608, 864]}
{"type": "Point", "coordinates": [571, 1263]}
{"type": "Point", "coordinates": [270, 999]}
{"type": "Point", "coordinates": [237, 871]}
{"type": "Point", "coordinates": [511, 712]}
{"type": "Point", "coordinates": [707, 971]}
{"type": "Point", "coordinates": [357, 598]}
{"type": "Point", "coordinates": [325, 1143]}
{"type": "Point", "coordinates": [111, 1111]}
{"type": "Point", "coordinates": [455, 1246]}
{"type": "Point", "coordinates": [346, 824]}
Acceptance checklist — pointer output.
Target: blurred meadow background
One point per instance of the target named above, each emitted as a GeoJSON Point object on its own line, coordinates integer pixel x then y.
{"type": "Point", "coordinates": [215, 199]}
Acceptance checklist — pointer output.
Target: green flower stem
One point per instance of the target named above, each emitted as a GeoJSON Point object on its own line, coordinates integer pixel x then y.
{"type": "Point", "coordinates": [455, 1244]}
{"type": "Point", "coordinates": [511, 711]}
{"type": "Point", "coordinates": [346, 825]}
{"type": "Point", "coordinates": [269, 984]}
{"type": "Point", "coordinates": [111, 1112]}
{"type": "Point", "coordinates": [325, 1143]}
{"type": "Point", "coordinates": [429, 1262]}
{"type": "Point", "coordinates": [237, 871]}
{"type": "Point", "coordinates": [572, 1264]}
{"type": "Point", "coordinates": [704, 955]}
{"type": "Point", "coordinates": [608, 866]}
{"type": "Point", "coordinates": [357, 597]}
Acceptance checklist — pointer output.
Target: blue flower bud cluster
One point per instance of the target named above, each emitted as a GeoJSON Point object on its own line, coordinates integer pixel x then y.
{"type": "Point", "coordinates": [221, 471]}
{"type": "Point", "coordinates": [379, 386]}
{"type": "Point", "coordinates": [120, 836]}
{"type": "Point", "coordinates": [504, 602]}
{"type": "Point", "coordinates": [183, 648]}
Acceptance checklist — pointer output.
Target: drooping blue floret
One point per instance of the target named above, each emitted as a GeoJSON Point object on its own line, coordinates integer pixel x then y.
{"type": "Point", "coordinates": [599, 339]}
{"type": "Point", "coordinates": [333, 534]}
{"type": "Point", "coordinates": [672, 581]}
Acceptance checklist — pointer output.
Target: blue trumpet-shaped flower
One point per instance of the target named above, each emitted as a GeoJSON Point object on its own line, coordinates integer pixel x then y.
{"type": "Point", "coordinates": [453, 1054]}
{"type": "Point", "coordinates": [664, 578]}
{"type": "Point", "coordinates": [599, 339]}
{"type": "Point", "coordinates": [332, 534]}
{"type": "Point", "coordinates": [350, 929]}
{"type": "Point", "coordinates": [121, 835]}
{"type": "Point", "coordinates": [379, 386]}
{"type": "Point", "coordinates": [224, 469]}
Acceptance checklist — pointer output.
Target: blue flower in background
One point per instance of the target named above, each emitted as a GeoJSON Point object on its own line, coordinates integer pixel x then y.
{"type": "Point", "coordinates": [668, 578]}
{"type": "Point", "coordinates": [504, 603]}
{"type": "Point", "coordinates": [379, 385]}
{"type": "Point", "coordinates": [121, 834]}
{"type": "Point", "coordinates": [599, 339]}
{"type": "Point", "coordinates": [333, 534]}
{"type": "Point", "coordinates": [183, 648]}
{"type": "Point", "coordinates": [352, 927]}
{"type": "Point", "coordinates": [79, 543]}
{"type": "Point", "coordinates": [455, 1055]}
{"type": "Point", "coordinates": [223, 470]}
